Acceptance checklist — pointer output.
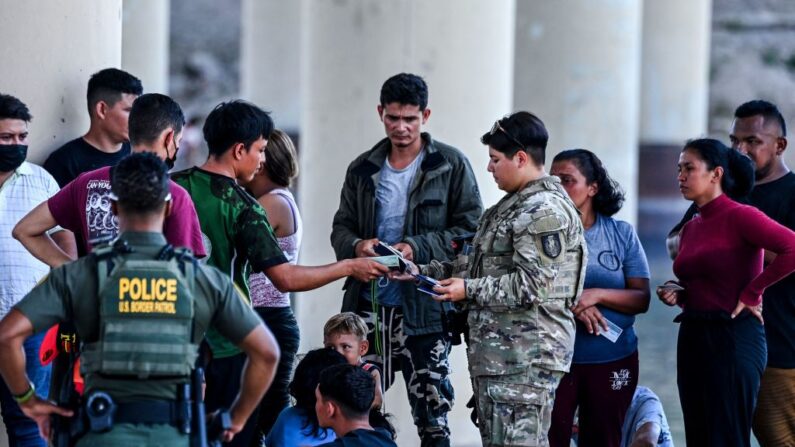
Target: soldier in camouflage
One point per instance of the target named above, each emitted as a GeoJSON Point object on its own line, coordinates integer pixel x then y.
{"type": "Point", "coordinates": [519, 281]}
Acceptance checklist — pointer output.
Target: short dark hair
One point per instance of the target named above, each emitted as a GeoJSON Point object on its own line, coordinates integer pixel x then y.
{"type": "Point", "coordinates": [109, 84]}
{"type": "Point", "coordinates": [281, 160]}
{"type": "Point", "coordinates": [12, 108]}
{"type": "Point", "coordinates": [151, 114]}
{"type": "Point", "coordinates": [521, 127]}
{"type": "Point", "coordinates": [609, 196]}
{"type": "Point", "coordinates": [306, 379]}
{"type": "Point", "coordinates": [738, 169]}
{"type": "Point", "coordinates": [140, 183]}
{"type": "Point", "coordinates": [767, 110]}
{"type": "Point", "coordinates": [351, 387]}
{"type": "Point", "coordinates": [405, 88]}
{"type": "Point", "coordinates": [235, 122]}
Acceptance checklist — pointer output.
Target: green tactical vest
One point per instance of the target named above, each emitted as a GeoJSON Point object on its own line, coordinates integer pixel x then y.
{"type": "Point", "coordinates": [494, 257]}
{"type": "Point", "coordinates": [146, 309]}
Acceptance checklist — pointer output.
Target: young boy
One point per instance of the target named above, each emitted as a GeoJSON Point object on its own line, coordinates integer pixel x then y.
{"type": "Point", "coordinates": [346, 333]}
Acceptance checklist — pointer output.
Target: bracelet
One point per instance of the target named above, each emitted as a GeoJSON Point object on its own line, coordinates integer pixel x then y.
{"type": "Point", "coordinates": [27, 395]}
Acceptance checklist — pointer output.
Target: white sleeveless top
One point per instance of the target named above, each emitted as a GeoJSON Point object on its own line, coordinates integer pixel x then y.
{"type": "Point", "coordinates": [263, 292]}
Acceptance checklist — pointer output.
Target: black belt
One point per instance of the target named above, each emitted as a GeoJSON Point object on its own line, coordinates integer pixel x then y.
{"type": "Point", "coordinates": [149, 412]}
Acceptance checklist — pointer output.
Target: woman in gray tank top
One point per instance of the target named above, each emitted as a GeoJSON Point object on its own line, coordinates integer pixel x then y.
{"type": "Point", "coordinates": [270, 187]}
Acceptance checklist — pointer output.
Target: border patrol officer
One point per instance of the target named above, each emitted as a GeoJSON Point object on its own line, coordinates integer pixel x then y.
{"type": "Point", "coordinates": [141, 308]}
{"type": "Point", "coordinates": [524, 272]}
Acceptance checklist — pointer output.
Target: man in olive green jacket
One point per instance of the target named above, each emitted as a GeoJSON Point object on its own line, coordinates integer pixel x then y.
{"type": "Point", "coordinates": [415, 194]}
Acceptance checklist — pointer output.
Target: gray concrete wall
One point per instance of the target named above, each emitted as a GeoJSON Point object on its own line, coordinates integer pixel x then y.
{"type": "Point", "coordinates": [582, 78]}
{"type": "Point", "coordinates": [49, 52]}
{"type": "Point", "coordinates": [145, 42]}
{"type": "Point", "coordinates": [464, 49]}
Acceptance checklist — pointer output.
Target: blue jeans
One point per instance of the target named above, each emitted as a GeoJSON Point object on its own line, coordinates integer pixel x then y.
{"type": "Point", "coordinates": [22, 431]}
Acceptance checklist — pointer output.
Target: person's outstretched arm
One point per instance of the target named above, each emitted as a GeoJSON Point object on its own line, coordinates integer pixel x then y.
{"type": "Point", "coordinates": [297, 278]}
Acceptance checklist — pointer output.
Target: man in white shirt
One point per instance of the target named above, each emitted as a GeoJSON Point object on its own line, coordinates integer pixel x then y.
{"type": "Point", "coordinates": [23, 185]}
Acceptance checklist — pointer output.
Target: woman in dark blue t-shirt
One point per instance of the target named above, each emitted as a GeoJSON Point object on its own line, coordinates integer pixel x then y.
{"type": "Point", "coordinates": [604, 371]}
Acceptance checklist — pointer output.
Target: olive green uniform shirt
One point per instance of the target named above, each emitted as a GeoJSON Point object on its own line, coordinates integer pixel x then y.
{"type": "Point", "coordinates": [70, 293]}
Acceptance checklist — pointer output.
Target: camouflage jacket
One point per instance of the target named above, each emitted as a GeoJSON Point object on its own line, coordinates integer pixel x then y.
{"type": "Point", "coordinates": [524, 273]}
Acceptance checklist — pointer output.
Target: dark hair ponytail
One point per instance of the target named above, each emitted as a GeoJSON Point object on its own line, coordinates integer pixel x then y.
{"type": "Point", "coordinates": [742, 171]}
{"type": "Point", "coordinates": [738, 169]}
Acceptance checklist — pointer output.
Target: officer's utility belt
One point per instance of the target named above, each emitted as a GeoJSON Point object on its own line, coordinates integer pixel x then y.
{"type": "Point", "coordinates": [101, 413]}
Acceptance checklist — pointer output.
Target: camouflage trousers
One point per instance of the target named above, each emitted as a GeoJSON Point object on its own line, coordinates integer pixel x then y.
{"type": "Point", "coordinates": [516, 409]}
{"type": "Point", "coordinates": [423, 361]}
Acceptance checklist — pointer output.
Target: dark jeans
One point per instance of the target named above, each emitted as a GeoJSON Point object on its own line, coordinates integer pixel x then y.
{"type": "Point", "coordinates": [719, 368]}
{"type": "Point", "coordinates": [223, 383]}
{"type": "Point", "coordinates": [281, 321]}
{"type": "Point", "coordinates": [603, 392]}
{"type": "Point", "coordinates": [23, 432]}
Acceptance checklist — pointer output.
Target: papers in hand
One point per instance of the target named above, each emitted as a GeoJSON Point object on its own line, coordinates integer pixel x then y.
{"type": "Point", "coordinates": [391, 261]}
{"type": "Point", "coordinates": [425, 284]}
{"type": "Point", "coordinates": [387, 251]}
{"type": "Point", "coordinates": [673, 287]}
{"type": "Point", "coordinates": [613, 331]}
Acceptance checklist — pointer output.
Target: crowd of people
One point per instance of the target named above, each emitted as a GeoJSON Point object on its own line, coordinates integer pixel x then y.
{"type": "Point", "coordinates": [130, 293]}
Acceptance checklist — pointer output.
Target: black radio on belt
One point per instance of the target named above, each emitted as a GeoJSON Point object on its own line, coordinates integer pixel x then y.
{"type": "Point", "coordinates": [100, 410]}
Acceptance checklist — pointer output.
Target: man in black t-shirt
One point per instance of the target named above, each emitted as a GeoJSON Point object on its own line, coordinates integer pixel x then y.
{"type": "Point", "coordinates": [344, 398]}
{"type": "Point", "coordinates": [759, 131]}
{"type": "Point", "coordinates": [110, 95]}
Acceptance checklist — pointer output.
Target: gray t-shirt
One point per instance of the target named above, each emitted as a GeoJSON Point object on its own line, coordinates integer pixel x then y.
{"type": "Point", "coordinates": [391, 204]}
{"type": "Point", "coordinates": [645, 407]}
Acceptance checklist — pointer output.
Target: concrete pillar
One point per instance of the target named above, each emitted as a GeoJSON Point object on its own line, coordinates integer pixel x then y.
{"type": "Point", "coordinates": [145, 42]}
{"type": "Point", "coordinates": [675, 70]}
{"type": "Point", "coordinates": [578, 68]}
{"type": "Point", "coordinates": [464, 50]}
{"type": "Point", "coordinates": [674, 87]}
{"type": "Point", "coordinates": [49, 52]}
{"type": "Point", "coordinates": [270, 55]}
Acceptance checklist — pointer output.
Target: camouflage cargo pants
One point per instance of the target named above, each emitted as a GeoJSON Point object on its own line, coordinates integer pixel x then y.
{"type": "Point", "coordinates": [423, 361]}
{"type": "Point", "coordinates": [516, 409]}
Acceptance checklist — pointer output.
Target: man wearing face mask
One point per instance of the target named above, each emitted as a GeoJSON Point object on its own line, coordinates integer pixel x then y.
{"type": "Point", "coordinates": [83, 205]}
{"type": "Point", "coordinates": [22, 186]}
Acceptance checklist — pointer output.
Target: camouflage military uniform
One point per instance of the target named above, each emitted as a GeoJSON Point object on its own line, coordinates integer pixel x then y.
{"type": "Point", "coordinates": [524, 273]}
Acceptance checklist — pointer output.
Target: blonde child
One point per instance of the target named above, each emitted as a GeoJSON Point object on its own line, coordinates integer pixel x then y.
{"type": "Point", "coordinates": [346, 333]}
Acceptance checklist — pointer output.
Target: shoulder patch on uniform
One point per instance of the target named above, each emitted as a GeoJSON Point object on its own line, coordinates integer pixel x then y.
{"type": "Point", "coordinates": [545, 221]}
{"type": "Point", "coordinates": [551, 245]}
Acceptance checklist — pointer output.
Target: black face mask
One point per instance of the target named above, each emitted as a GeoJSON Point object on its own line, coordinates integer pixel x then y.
{"type": "Point", "coordinates": [170, 161]}
{"type": "Point", "coordinates": [11, 156]}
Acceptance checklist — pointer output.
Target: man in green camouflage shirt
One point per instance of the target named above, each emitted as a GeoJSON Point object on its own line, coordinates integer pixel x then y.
{"type": "Point", "coordinates": [523, 274]}
{"type": "Point", "coordinates": [238, 237]}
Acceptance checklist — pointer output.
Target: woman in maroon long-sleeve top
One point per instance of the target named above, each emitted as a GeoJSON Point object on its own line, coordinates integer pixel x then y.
{"type": "Point", "coordinates": [721, 351]}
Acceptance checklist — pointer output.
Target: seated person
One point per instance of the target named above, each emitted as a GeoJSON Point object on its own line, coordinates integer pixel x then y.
{"type": "Point", "coordinates": [344, 399]}
{"type": "Point", "coordinates": [346, 333]}
{"type": "Point", "coordinates": [645, 424]}
{"type": "Point", "coordinates": [297, 425]}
